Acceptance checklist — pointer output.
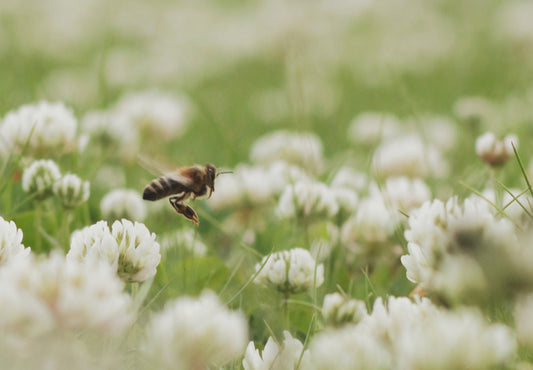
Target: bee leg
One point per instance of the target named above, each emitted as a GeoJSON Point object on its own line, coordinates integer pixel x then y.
{"type": "Point", "coordinates": [174, 201]}
{"type": "Point", "coordinates": [184, 210]}
{"type": "Point", "coordinates": [179, 198]}
{"type": "Point", "coordinates": [188, 212]}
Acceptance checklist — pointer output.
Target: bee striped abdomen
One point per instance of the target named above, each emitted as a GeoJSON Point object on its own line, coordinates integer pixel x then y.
{"type": "Point", "coordinates": [161, 188]}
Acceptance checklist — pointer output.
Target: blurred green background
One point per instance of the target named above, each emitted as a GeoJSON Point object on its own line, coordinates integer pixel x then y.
{"type": "Point", "coordinates": [251, 67]}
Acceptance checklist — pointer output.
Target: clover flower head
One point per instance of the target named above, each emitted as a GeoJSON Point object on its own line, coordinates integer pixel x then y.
{"type": "Point", "coordinates": [289, 354]}
{"type": "Point", "coordinates": [39, 128]}
{"type": "Point", "coordinates": [454, 246]}
{"type": "Point", "coordinates": [338, 310]}
{"type": "Point", "coordinates": [186, 238]}
{"type": "Point", "coordinates": [347, 177]}
{"type": "Point", "coordinates": [39, 177]}
{"type": "Point", "coordinates": [155, 112]}
{"type": "Point", "coordinates": [123, 203]}
{"type": "Point", "coordinates": [373, 222]}
{"type": "Point", "coordinates": [308, 200]}
{"type": "Point", "coordinates": [291, 271]}
{"type": "Point", "coordinates": [405, 334]}
{"type": "Point", "coordinates": [493, 151]}
{"type": "Point", "coordinates": [473, 109]}
{"type": "Point", "coordinates": [128, 247]}
{"type": "Point", "coordinates": [71, 190]}
{"type": "Point", "coordinates": [40, 296]}
{"type": "Point", "coordinates": [194, 333]}
{"type": "Point", "coordinates": [523, 314]}
{"type": "Point", "coordinates": [371, 127]}
{"type": "Point", "coordinates": [94, 243]}
{"type": "Point", "coordinates": [11, 246]}
{"type": "Point", "coordinates": [303, 149]}
{"type": "Point", "coordinates": [255, 185]}
{"type": "Point", "coordinates": [111, 130]}
{"type": "Point", "coordinates": [138, 251]}
{"type": "Point", "coordinates": [408, 156]}
{"type": "Point", "coordinates": [404, 193]}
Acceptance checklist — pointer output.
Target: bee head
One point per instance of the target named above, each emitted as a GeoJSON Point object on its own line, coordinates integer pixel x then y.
{"type": "Point", "coordinates": [211, 172]}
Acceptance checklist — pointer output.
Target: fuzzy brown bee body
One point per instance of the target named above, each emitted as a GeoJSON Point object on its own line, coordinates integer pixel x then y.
{"type": "Point", "coordinates": [195, 181]}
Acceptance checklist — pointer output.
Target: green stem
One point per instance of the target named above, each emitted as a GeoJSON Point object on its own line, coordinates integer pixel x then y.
{"type": "Point", "coordinates": [8, 195]}
{"type": "Point", "coordinates": [134, 290]}
{"type": "Point", "coordinates": [38, 220]}
{"type": "Point", "coordinates": [285, 309]}
{"type": "Point", "coordinates": [498, 191]}
{"type": "Point", "coordinates": [64, 233]}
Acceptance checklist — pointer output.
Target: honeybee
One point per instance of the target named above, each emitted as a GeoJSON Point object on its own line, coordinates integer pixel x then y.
{"type": "Point", "coordinates": [190, 181]}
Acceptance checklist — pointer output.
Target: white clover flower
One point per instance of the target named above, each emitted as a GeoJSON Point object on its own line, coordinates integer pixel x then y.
{"type": "Point", "coordinates": [346, 198]}
{"type": "Point", "coordinates": [108, 127]}
{"type": "Point", "coordinates": [439, 130]}
{"type": "Point", "coordinates": [71, 190]}
{"type": "Point", "coordinates": [427, 237]}
{"type": "Point", "coordinates": [39, 177]}
{"type": "Point", "coordinates": [301, 149]}
{"type": "Point", "coordinates": [94, 243]}
{"type": "Point", "coordinates": [155, 112]}
{"type": "Point", "coordinates": [523, 317]}
{"type": "Point", "coordinates": [45, 128]}
{"type": "Point", "coordinates": [462, 340]}
{"type": "Point", "coordinates": [188, 238]}
{"type": "Point", "coordinates": [254, 185]}
{"type": "Point", "coordinates": [112, 131]}
{"type": "Point", "coordinates": [128, 247]}
{"type": "Point", "coordinates": [230, 191]}
{"type": "Point", "coordinates": [408, 156]}
{"type": "Point", "coordinates": [348, 348]}
{"type": "Point", "coordinates": [461, 278]}
{"type": "Point", "coordinates": [512, 208]}
{"type": "Point", "coordinates": [195, 333]}
{"type": "Point", "coordinates": [11, 246]}
{"type": "Point", "coordinates": [346, 177]}
{"type": "Point", "coordinates": [462, 250]}
{"type": "Point", "coordinates": [291, 271]}
{"type": "Point", "coordinates": [473, 109]}
{"type": "Point", "coordinates": [403, 334]}
{"type": "Point", "coordinates": [38, 296]}
{"type": "Point", "coordinates": [338, 310]}
{"type": "Point", "coordinates": [372, 223]}
{"type": "Point", "coordinates": [307, 199]}
{"type": "Point", "coordinates": [288, 355]}
{"type": "Point", "coordinates": [424, 336]}
{"type": "Point", "coordinates": [405, 194]}
{"type": "Point", "coordinates": [371, 127]}
{"type": "Point", "coordinates": [123, 203]}
{"type": "Point", "coordinates": [138, 251]}
{"type": "Point", "coordinates": [282, 173]}
{"type": "Point", "coordinates": [109, 177]}
{"type": "Point", "coordinates": [493, 151]}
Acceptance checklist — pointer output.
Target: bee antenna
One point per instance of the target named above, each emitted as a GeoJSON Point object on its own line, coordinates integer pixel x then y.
{"type": "Point", "coordinates": [222, 172]}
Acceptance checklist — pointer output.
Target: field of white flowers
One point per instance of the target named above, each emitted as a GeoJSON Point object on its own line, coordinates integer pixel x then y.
{"type": "Point", "coordinates": [378, 213]}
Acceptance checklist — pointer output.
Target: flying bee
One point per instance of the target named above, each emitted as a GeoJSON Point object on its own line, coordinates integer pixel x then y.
{"type": "Point", "coordinates": [190, 181]}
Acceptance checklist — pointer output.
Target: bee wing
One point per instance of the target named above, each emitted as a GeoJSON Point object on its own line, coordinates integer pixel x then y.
{"type": "Point", "coordinates": [152, 166]}
{"type": "Point", "coordinates": [185, 181]}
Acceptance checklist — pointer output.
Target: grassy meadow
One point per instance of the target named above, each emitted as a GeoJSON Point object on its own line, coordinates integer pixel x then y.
{"type": "Point", "coordinates": [353, 130]}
